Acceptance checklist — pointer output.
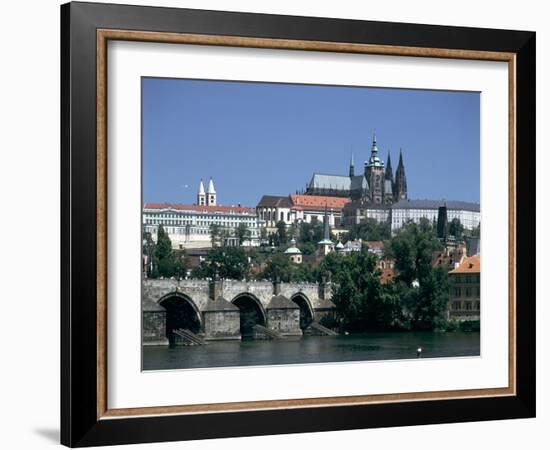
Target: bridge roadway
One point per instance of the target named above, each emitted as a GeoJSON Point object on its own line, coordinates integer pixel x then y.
{"type": "Point", "coordinates": [230, 309]}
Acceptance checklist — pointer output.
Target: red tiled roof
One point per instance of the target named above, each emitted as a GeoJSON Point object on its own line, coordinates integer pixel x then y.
{"type": "Point", "coordinates": [374, 244]}
{"type": "Point", "coordinates": [319, 201]}
{"type": "Point", "coordinates": [469, 265]}
{"type": "Point", "coordinates": [200, 208]}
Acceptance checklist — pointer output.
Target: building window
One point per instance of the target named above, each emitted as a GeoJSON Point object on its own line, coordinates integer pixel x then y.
{"type": "Point", "coordinates": [468, 306]}
{"type": "Point", "coordinates": [478, 291]}
{"type": "Point", "coordinates": [477, 306]}
{"type": "Point", "coordinates": [458, 292]}
{"type": "Point", "coordinates": [468, 292]}
{"type": "Point", "coordinates": [456, 306]}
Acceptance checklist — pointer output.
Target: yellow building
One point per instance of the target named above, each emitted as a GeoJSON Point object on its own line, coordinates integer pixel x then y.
{"type": "Point", "coordinates": [464, 290]}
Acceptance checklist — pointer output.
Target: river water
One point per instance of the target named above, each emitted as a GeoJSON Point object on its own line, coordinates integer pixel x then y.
{"type": "Point", "coordinates": [313, 349]}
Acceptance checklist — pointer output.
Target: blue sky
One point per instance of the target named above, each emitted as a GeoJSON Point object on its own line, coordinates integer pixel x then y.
{"type": "Point", "coordinates": [264, 138]}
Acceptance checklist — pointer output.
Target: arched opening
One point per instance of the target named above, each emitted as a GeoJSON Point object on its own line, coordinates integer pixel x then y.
{"type": "Point", "coordinates": [252, 313]}
{"type": "Point", "coordinates": [306, 311]}
{"type": "Point", "coordinates": [181, 313]}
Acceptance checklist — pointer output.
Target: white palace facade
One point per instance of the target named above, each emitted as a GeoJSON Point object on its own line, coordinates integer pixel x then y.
{"type": "Point", "coordinates": [188, 226]}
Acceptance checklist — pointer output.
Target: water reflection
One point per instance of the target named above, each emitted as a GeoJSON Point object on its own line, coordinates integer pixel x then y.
{"type": "Point", "coordinates": [313, 349]}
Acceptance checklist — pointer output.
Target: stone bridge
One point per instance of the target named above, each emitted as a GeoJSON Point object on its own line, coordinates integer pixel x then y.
{"type": "Point", "coordinates": [230, 309]}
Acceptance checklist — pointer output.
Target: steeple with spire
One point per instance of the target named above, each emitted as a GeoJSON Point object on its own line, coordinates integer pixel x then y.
{"type": "Point", "coordinates": [326, 245]}
{"type": "Point", "coordinates": [389, 171]}
{"type": "Point", "coordinates": [201, 195]}
{"type": "Point", "coordinates": [400, 188]}
{"type": "Point", "coordinates": [351, 167]}
{"type": "Point", "coordinates": [211, 193]}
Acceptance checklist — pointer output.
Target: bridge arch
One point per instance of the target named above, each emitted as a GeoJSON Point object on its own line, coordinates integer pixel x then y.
{"type": "Point", "coordinates": [306, 309]}
{"type": "Point", "coordinates": [181, 312]}
{"type": "Point", "coordinates": [252, 312]}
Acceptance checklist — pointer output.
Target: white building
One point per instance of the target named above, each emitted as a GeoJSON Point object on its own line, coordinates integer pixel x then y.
{"type": "Point", "coordinates": [300, 208]}
{"type": "Point", "coordinates": [413, 210]}
{"type": "Point", "coordinates": [188, 226]}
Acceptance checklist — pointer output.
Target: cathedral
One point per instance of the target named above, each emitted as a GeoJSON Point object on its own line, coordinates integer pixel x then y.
{"type": "Point", "coordinates": [376, 186]}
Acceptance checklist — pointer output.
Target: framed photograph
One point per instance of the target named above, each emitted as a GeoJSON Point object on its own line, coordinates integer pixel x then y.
{"type": "Point", "coordinates": [275, 224]}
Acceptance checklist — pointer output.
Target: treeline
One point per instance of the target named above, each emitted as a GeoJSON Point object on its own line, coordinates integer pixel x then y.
{"type": "Point", "coordinates": [415, 300]}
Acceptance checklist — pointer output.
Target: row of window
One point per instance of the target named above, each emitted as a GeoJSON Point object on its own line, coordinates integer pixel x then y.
{"type": "Point", "coordinates": [205, 223]}
{"type": "Point", "coordinates": [465, 306]}
{"type": "Point", "coordinates": [467, 291]}
{"type": "Point", "coordinates": [466, 278]}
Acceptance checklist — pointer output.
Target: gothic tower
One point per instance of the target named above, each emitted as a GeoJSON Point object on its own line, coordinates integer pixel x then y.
{"type": "Point", "coordinates": [351, 167]}
{"type": "Point", "coordinates": [388, 183]}
{"type": "Point", "coordinates": [374, 172]}
{"type": "Point", "coordinates": [389, 171]}
{"type": "Point", "coordinates": [400, 189]}
{"type": "Point", "coordinates": [211, 194]}
{"type": "Point", "coordinates": [201, 195]}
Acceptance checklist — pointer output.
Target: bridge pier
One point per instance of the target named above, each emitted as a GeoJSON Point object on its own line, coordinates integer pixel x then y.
{"type": "Point", "coordinates": [153, 324]}
{"type": "Point", "coordinates": [221, 320]}
{"type": "Point", "coordinates": [283, 316]}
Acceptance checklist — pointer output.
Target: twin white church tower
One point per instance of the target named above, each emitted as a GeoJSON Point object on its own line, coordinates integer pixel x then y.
{"type": "Point", "coordinates": [207, 198]}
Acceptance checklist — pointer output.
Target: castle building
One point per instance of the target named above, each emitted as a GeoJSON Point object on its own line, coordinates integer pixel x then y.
{"type": "Point", "coordinates": [189, 226]}
{"type": "Point", "coordinates": [413, 210]}
{"type": "Point", "coordinates": [299, 208]}
{"type": "Point", "coordinates": [375, 194]}
{"type": "Point", "coordinates": [375, 186]}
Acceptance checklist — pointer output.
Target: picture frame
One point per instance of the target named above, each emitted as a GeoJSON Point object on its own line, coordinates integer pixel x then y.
{"type": "Point", "coordinates": [86, 418]}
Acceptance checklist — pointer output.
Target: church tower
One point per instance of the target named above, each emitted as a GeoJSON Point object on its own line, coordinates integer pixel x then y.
{"type": "Point", "coordinates": [211, 194]}
{"type": "Point", "coordinates": [374, 173]}
{"type": "Point", "coordinates": [400, 188]}
{"type": "Point", "coordinates": [201, 195]}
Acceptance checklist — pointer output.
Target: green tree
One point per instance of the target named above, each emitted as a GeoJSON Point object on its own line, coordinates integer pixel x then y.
{"type": "Point", "coordinates": [279, 268]}
{"type": "Point", "coordinates": [281, 232]}
{"type": "Point", "coordinates": [163, 259]}
{"type": "Point", "coordinates": [456, 228]}
{"type": "Point", "coordinates": [215, 234]}
{"type": "Point", "coordinates": [310, 232]}
{"type": "Point", "coordinates": [412, 247]}
{"type": "Point", "coordinates": [242, 232]}
{"type": "Point", "coordinates": [307, 248]}
{"type": "Point", "coordinates": [431, 303]}
{"type": "Point", "coordinates": [369, 230]}
{"type": "Point", "coordinates": [224, 262]}
{"type": "Point", "coordinates": [424, 303]}
{"type": "Point", "coordinates": [357, 291]}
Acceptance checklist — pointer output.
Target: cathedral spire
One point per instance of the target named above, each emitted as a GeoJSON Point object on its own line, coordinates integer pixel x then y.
{"type": "Point", "coordinates": [400, 190]}
{"type": "Point", "coordinates": [351, 166]}
{"type": "Point", "coordinates": [389, 170]}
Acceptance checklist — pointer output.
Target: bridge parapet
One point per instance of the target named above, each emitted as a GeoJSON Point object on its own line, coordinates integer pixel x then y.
{"type": "Point", "coordinates": [199, 290]}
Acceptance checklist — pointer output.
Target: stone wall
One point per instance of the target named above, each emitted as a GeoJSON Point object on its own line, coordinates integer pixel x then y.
{"type": "Point", "coordinates": [154, 328]}
{"type": "Point", "coordinates": [222, 325]}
